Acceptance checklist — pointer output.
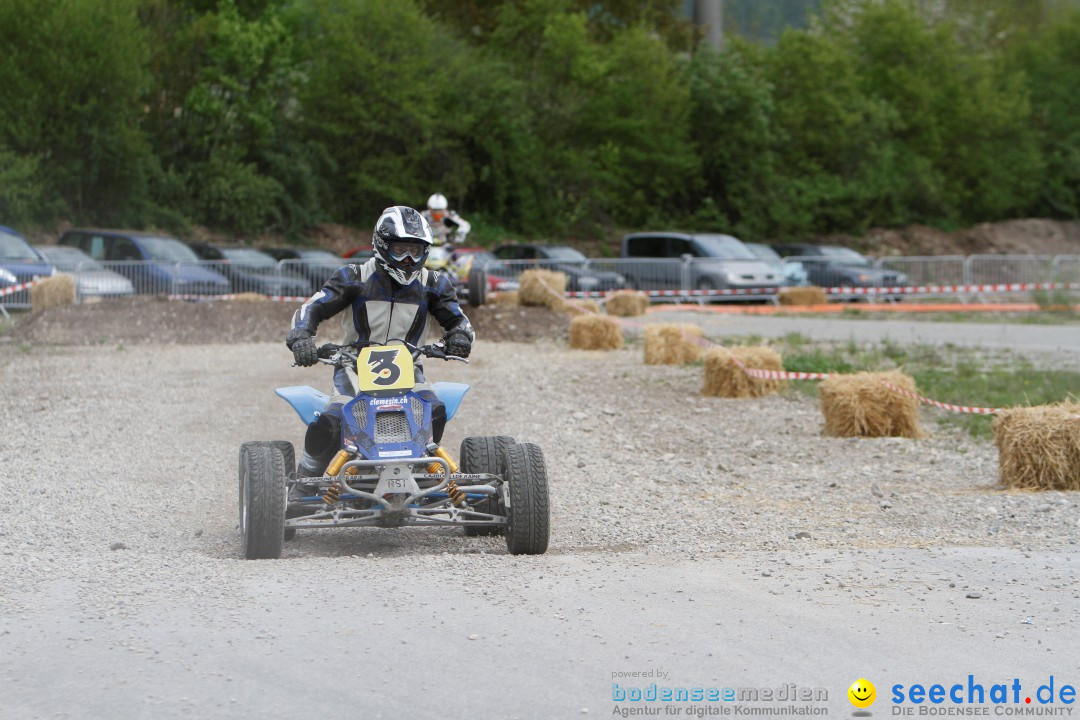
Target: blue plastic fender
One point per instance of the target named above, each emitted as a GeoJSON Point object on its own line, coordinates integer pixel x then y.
{"type": "Point", "coordinates": [450, 394]}
{"type": "Point", "coordinates": [305, 400]}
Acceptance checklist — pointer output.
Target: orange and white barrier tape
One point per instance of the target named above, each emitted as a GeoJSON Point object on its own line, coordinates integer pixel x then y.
{"type": "Point", "coordinates": [791, 375]}
{"type": "Point", "coordinates": [966, 409]}
{"type": "Point", "coordinates": [16, 288]}
{"type": "Point", "coordinates": [233, 296]}
{"type": "Point", "coordinates": [678, 293]}
{"type": "Point", "coordinates": [848, 291]}
{"type": "Point", "coordinates": [950, 289]}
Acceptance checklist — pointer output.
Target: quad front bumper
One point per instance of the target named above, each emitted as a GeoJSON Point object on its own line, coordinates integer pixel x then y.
{"type": "Point", "coordinates": [391, 493]}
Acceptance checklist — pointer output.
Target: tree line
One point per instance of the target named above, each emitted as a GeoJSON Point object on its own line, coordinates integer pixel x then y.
{"type": "Point", "coordinates": [537, 117]}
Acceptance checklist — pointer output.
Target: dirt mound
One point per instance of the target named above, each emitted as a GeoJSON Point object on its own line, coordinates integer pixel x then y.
{"type": "Point", "coordinates": [150, 320]}
{"type": "Point", "coordinates": [1041, 237]}
{"type": "Point", "coordinates": [517, 324]}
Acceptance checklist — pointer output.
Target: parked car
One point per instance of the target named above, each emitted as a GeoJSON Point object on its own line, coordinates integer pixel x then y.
{"type": "Point", "coordinates": [314, 265]}
{"type": "Point", "coordinates": [153, 263]}
{"type": "Point", "coordinates": [561, 258]}
{"type": "Point", "coordinates": [92, 279]}
{"type": "Point", "coordinates": [250, 270]}
{"type": "Point", "coordinates": [794, 272]}
{"type": "Point", "coordinates": [19, 263]}
{"type": "Point", "coordinates": [359, 254]}
{"type": "Point", "coordinates": [710, 261]}
{"type": "Point", "coordinates": [834, 266]}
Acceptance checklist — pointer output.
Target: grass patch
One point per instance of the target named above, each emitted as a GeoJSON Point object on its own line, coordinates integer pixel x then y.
{"type": "Point", "coordinates": [950, 374]}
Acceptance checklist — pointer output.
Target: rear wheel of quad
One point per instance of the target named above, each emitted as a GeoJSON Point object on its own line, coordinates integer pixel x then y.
{"type": "Point", "coordinates": [529, 518]}
{"type": "Point", "coordinates": [263, 497]}
{"type": "Point", "coordinates": [477, 285]}
{"type": "Point", "coordinates": [485, 455]}
{"type": "Point", "coordinates": [288, 454]}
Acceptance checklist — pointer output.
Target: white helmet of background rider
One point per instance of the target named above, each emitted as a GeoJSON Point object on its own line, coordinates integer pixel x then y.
{"type": "Point", "coordinates": [401, 242]}
{"type": "Point", "coordinates": [437, 202]}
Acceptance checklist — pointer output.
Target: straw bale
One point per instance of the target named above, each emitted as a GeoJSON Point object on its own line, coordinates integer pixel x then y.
{"type": "Point", "coordinates": [723, 378]}
{"type": "Point", "coordinates": [582, 307]}
{"type": "Point", "coordinates": [803, 296]}
{"type": "Point", "coordinates": [626, 303]}
{"type": "Point", "coordinates": [55, 291]}
{"type": "Point", "coordinates": [542, 288]}
{"type": "Point", "coordinates": [672, 344]}
{"type": "Point", "coordinates": [1039, 447]}
{"type": "Point", "coordinates": [861, 405]}
{"type": "Point", "coordinates": [595, 332]}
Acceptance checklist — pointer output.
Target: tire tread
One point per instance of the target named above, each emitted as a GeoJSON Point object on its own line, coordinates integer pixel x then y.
{"type": "Point", "coordinates": [530, 515]}
{"type": "Point", "coordinates": [266, 512]}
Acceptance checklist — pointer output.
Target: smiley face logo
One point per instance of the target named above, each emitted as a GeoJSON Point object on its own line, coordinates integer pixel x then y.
{"type": "Point", "coordinates": [862, 693]}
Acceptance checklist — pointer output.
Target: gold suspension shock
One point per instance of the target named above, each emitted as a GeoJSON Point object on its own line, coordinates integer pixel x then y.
{"type": "Point", "coordinates": [338, 462]}
{"type": "Point", "coordinates": [332, 494]}
{"type": "Point", "coordinates": [456, 495]}
{"type": "Point", "coordinates": [436, 468]}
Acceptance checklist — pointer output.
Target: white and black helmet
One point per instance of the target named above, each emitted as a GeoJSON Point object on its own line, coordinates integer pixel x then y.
{"type": "Point", "coordinates": [401, 242]}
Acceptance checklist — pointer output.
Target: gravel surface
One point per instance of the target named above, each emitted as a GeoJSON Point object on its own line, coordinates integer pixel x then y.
{"type": "Point", "coordinates": [723, 540]}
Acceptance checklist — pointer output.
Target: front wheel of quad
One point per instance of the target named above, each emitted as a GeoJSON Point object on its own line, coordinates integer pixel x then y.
{"type": "Point", "coordinates": [263, 497]}
{"type": "Point", "coordinates": [485, 455]}
{"type": "Point", "coordinates": [528, 513]}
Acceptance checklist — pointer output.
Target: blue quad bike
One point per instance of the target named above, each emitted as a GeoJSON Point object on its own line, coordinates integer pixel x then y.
{"type": "Point", "coordinates": [388, 472]}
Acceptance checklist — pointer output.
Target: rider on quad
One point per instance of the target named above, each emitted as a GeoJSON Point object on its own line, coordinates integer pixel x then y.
{"type": "Point", "coordinates": [389, 298]}
{"type": "Point", "coordinates": [449, 228]}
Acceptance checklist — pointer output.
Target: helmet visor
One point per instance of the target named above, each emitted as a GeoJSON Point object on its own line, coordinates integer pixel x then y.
{"type": "Point", "coordinates": [401, 249]}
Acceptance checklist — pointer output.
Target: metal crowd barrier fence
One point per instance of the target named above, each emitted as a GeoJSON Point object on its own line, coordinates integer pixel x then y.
{"type": "Point", "coordinates": [665, 279]}
{"type": "Point", "coordinates": [698, 279]}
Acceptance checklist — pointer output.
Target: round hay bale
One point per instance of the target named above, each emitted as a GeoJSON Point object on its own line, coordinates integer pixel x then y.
{"type": "Point", "coordinates": [55, 291]}
{"type": "Point", "coordinates": [504, 297]}
{"type": "Point", "coordinates": [249, 297]}
{"type": "Point", "coordinates": [1039, 447]}
{"type": "Point", "coordinates": [803, 296]}
{"type": "Point", "coordinates": [595, 332]}
{"type": "Point", "coordinates": [861, 405]}
{"type": "Point", "coordinates": [542, 288]}
{"type": "Point", "coordinates": [583, 307]}
{"type": "Point", "coordinates": [626, 303]}
{"type": "Point", "coordinates": [723, 378]}
{"type": "Point", "coordinates": [672, 344]}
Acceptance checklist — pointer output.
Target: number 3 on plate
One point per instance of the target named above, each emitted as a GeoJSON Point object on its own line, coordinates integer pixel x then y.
{"type": "Point", "coordinates": [385, 368]}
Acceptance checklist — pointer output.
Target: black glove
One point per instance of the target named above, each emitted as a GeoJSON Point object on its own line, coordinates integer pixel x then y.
{"type": "Point", "coordinates": [458, 343]}
{"type": "Point", "coordinates": [303, 347]}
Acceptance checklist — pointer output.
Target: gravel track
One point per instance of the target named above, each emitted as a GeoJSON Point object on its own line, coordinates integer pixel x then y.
{"type": "Point", "coordinates": [676, 541]}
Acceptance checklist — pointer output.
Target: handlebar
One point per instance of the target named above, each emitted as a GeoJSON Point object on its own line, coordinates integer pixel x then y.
{"type": "Point", "coordinates": [340, 355]}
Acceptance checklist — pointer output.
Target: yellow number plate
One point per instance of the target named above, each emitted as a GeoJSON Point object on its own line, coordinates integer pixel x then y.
{"type": "Point", "coordinates": [385, 367]}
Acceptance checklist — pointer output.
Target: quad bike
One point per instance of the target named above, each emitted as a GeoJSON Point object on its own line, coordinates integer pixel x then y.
{"type": "Point", "coordinates": [388, 473]}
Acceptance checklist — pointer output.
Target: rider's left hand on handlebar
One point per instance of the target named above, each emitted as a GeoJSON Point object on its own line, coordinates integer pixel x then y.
{"type": "Point", "coordinates": [458, 343]}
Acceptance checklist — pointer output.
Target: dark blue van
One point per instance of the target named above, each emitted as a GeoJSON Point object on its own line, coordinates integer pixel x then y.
{"type": "Point", "coordinates": [154, 263]}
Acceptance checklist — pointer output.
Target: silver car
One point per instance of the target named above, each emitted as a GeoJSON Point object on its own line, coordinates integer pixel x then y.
{"type": "Point", "coordinates": [92, 279]}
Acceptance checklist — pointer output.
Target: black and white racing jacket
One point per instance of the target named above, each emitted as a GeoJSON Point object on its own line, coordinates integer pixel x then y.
{"type": "Point", "coordinates": [378, 309]}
